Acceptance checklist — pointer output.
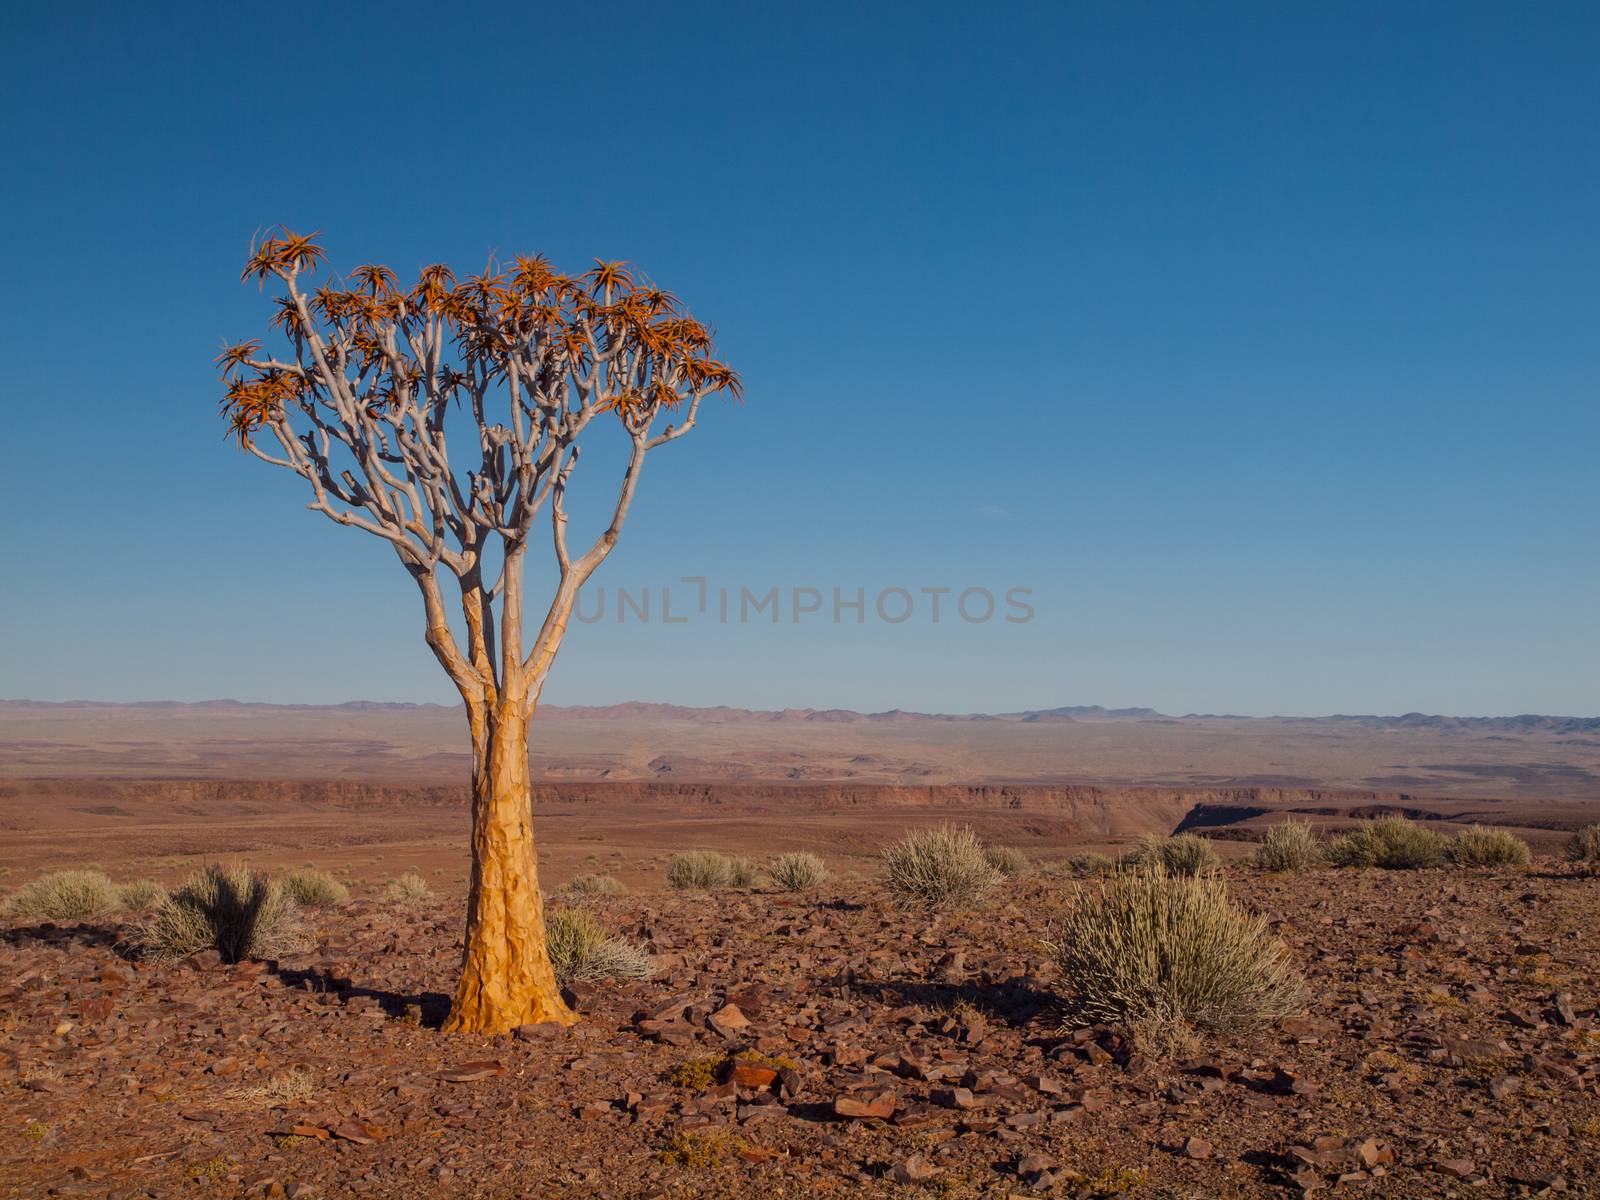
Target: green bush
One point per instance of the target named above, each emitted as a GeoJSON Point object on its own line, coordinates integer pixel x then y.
{"type": "Point", "coordinates": [1584, 846]}
{"type": "Point", "coordinates": [1153, 947]}
{"type": "Point", "coordinates": [1390, 842]}
{"type": "Point", "coordinates": [698, 869]}
{"type": "Point", "coordinates": [315, 889]}
{"type": "Point", "coordinates": [1289, 846]}
{"type": "Point", "coordinates": [236, 911]}
{"type": "Point", "coordinates": [940, 867]}
{"type": "Point", "coordinates": [409, 888]}
{"type": "Point", "coordinates": [1007, 860]}
{"type": "Point", "coordinates": [595, 885]}
{"type": "Point", "coordinates": [581, 951]}
{"type": "Point", "coordinates": [798, 872]}
{"type": "Point", "coordinates": [742, 872]}
{"type": "Point", "coordinates": [1183, 854]}
{"type": "Point", "coordinates": [63, 896]}
{"type": "Point", "coordinates": [140, 895]}
{"type": "Point", "coordinates": [1476, 846]}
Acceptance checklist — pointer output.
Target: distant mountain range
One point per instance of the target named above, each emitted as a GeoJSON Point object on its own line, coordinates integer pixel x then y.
{"type": "Point", "coordinates": [639, 710]}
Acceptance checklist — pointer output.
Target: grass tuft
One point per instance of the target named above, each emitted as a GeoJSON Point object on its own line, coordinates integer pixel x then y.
{"type": "Point", "coordinates": [409, 888]}
{"type": "Point", "coordinates": [140, 895]}
{"type": "Point", "coordinates": [594, 885]}
{"type": "Point", "coordinates": [1149, 946]}
{"type": "Point", "coordinates": [1477, 846]}
{"type": "Point", "coordinates": [1088, 863]}
{"type": "Point", "coordinates": [1290, 846]}
{"type": "Point", "coordinates": [581, 951]}
{"type": "Point", "coordinates": [1183, 854]}
{"type": "Point", "coordinates": [63, 896]}
{"type": "Point", "coordinates": [1007, 861]}
{"type": "Point", "coordinates": [799, 871]}
{"type": "Point", "coordinates": [236, 911]}
{"type": "Point", "coordinates": [698, 869]}
{"type": "Point", "coordinates": [311, 888]}
{"type": "Point", "coordinates": [1584, 846]}
{"type": "Point", "coordinates": [1393, 843]}
{"type": "Point", "coordinates": [940, 867]}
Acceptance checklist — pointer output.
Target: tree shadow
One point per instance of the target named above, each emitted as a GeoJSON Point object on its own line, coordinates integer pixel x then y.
{"type": "Point", "coordinates": [428, 1008]}
{"type": "Point", "coordinates": [83, 934]}
{"type": "Point", "coordinates": [1013, 1002]}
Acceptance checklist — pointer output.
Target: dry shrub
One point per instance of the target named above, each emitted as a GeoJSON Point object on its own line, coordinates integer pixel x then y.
{"type": "Point", "coordinates": [1007, 860]}
{"type": "Point", "coordinates": [63, 896]}
{"type": "Point", "coordinates": [742, 872]}
{"type": "Point", "coordinates": [290, 1089]}
{"type": "Point", "coordinates": [409, 888]}
{"type": "Point", "coordinates": [940, 867]}
{"type": "Point", "coordinates": [1289, 846]}
{"type": "Point", "coordinates": [315, 889]}
{"type": "Point", "coordinates": [1584, 846]}
{"type": "Point", "coordinates": [1090, 863]}
{"type": "Point", "coordinates": [1149, 946]}
{"type": "Point", "coordinates": [1183, 854]}
{"type": "Point", "coordinates": [1477, 846]}
{"type": "Point", "coordinates": [1165, 1038]}
{"type": "Point", "coordinates": [1390, 842]}
{"type": "Point", "coordinates": [698, 869]}
{"type": "Point", "coordinates": [581, 951]}
{"type": "Point", "coordinates": [798, 871]}
{"type": "Point", "coordinates": [236, 911]}
{"type": "Point", "coordinates": [594, 885]}
{"type": "Point", "coordinates": [140, 895]}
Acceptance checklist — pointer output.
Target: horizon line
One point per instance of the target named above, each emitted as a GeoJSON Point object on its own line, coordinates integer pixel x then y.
{"type": "Point", "coordinates": [1129, 712]}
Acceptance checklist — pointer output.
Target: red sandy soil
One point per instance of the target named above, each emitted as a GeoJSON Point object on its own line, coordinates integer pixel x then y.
{"type": "Point", "coordinates": [1450, 1049]}
{"type": "Point", "coordinates": [366, 834]}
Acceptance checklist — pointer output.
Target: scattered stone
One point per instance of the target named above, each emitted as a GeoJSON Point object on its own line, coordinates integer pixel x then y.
{"type": "Point", "coordinates": [915, 1169]}
{"type": "Point", "coordinates": [540, 1031]}
{"type": "Point", "coordinates": [728, 1021]}
{"type": "Point", "coordinates": [866, 1106]}
{"type": "Point", "coordinates": [471, 1072]}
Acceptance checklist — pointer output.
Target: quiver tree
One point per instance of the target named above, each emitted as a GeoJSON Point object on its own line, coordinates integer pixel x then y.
{"type": "Point", "coordinates": [356, 402]}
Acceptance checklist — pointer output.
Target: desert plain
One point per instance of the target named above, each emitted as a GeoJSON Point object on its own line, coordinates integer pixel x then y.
{"type": "Point", "coordinates": [831, 1042]}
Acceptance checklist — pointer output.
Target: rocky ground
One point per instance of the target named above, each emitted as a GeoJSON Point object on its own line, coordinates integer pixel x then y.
{"type": "Point", "coordinates": [825, 1045]}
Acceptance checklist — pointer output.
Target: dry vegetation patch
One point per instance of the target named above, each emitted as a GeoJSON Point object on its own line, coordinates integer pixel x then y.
{"type": "Point", "coordinates": [1182, 854]}
{"type": "Point", "coordinates": [1008, 861]}
{"type": "Point", "coordinates": [1290, 846]}
{"type": "Point", "coordinates": [236, 911]}
{"type": "Point", "coordinates": [64, 896]}
{"type": "Point", "coordinates": [698, 869]}
{"type": "Point", "coordinates": [1481, 847]}
{"type": "Point", "coordinates": [310, 888]}
{"type": "Point", "coordinates": [1584, 848]}
{"type": "Point", "coordinates": [798, 872]}
{"type": "Point", "coordinates": [582, 951]}
{"type": "Point", "coordinates": [584, 886]}
{"type": "Point", "coordinates": [941, 867]}
{"type": "Point", "coordinates": [1393, 843]}
{"type": "Point", "coordinates": [1150, 946]}
{"type": "Point", "coordinates": [409, 888]}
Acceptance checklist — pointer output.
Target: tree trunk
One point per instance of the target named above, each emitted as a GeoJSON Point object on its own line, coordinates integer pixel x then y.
{"type": "Point", "coordinates": [506, 978]}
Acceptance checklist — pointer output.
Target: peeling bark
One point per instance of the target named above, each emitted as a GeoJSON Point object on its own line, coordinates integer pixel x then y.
{"type": "Point", "coordinates": [506, 978]}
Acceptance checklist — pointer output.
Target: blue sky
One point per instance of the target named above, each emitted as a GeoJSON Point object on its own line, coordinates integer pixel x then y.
{"type": "Point", "coordinates": [1261, 342]}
